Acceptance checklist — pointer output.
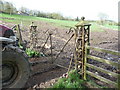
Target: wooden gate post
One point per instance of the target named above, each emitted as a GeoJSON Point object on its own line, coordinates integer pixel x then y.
{"type": "Point", "coordinates": [19, 34]}
{"type": "Point", "coordinates": [82, 34]}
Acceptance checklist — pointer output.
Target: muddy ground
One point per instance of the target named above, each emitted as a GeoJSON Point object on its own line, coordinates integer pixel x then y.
{"type": "Point", "coordinates": [48, 73]}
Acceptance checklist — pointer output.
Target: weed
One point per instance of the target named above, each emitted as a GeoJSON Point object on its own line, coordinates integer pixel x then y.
{"type": "Point", "coordinates": [32, 53]}
{"type": "Point", "coordinates": [73, 81]}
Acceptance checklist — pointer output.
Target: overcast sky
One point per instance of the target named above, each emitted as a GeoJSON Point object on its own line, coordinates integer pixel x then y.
{"type": "Point", "coordinates": [73, 8]}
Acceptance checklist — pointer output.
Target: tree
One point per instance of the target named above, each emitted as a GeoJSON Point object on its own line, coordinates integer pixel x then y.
{"type": "Point", "coordinates": [1, 6]}
{"type": "Point", "coordinates": [41, 14]}
{"type": "Point", "coordinates": [77, 19]}
{"type": "Point", "coordinates": [31, 12]}
{"type": "Point", "coordinates": [55, 16]}
{"type": "Point", "coordinates": [24, 10]}
{"type": "Point", "coordinates": [102, 17]}
{"type": "Point", "coordinates": [7, 7]}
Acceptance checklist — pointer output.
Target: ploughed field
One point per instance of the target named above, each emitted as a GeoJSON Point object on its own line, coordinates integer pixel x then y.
{"type": "Point", "coordinates": [45, 73]}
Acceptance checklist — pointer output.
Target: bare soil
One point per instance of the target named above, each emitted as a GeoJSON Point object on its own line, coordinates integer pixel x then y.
{"type": "Point", "coordinates": [49, 75]}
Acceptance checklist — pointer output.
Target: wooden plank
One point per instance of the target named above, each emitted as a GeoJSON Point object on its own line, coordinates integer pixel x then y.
{"type": "Point", "coordinates": [103, 60]}
{"type": "Point", "coordinates": [85, 61]}
{"type": "Point", "coordinates": [61, 66]}
{"type": "Point", "coordinates": [102, 78]}
{"type": "Point", "coordinates": [102, 70]}
{"type": "Point", "coordinates": [83, 49]}
{"type": "Point", "coordinates": [19, 33]}
{"type": "Point", "coordinates": [104, 50]}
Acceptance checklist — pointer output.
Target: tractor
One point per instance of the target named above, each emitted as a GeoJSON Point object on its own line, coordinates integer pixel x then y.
{"type": "Point", "coordinates": [15, 65]}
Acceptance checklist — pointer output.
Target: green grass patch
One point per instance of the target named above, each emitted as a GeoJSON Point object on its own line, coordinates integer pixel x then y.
{"type": "Point", "coordinates": [96, 28]}
{"type": "Point", "coordinates": [26, 21]}
{"type": "Point", "coordinates": [114, 27]}
{"type": "Point", "coordinates": [17, 19]}
{"type": "Point", "coordinates": [63, 23]}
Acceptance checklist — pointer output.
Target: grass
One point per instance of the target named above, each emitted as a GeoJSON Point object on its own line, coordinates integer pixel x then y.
{"type": "Point", "coordinates": [26, 21]}
{"type": "Point", "coordinates": [114, 27]}
{"type": "Point", "coordinates": [28, 18]}
{"type": "Point", "coordinates": [96, 28]}
{"type": "Point", "coordinates": [18, 18]}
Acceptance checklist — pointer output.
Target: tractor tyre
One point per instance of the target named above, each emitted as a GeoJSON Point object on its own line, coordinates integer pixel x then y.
{"type": "Point", "coordinates": [15, 68]}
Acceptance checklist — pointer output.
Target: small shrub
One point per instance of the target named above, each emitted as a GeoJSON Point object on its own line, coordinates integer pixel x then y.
{"type": "Point", "coordinates": [73, 81]}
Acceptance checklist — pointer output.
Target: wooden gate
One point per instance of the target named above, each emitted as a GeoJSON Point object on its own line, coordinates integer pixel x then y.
{"type": "Point", "coordinates": [82, 54]}
{"type": "Point", "coordinates": [109, 62]}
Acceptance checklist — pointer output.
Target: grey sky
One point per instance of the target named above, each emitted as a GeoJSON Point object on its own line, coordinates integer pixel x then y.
{"type": "Point", "coordinates": [73, 8]}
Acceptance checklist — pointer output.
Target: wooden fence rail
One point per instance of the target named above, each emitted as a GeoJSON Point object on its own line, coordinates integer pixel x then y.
{"type": "Point", "coordinates": [102, 60]}
{"type": "Point", "coordinates": [104, 50]}
{"type": "Point", "coordinates": [116, 64]}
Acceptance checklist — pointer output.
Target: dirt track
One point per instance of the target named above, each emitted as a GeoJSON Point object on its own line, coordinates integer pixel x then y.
{"type": "Point", "coordinates": [107, 39]}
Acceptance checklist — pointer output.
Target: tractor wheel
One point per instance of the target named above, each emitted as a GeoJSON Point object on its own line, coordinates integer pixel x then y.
{"type": "Point", "coordinates": [15, 69]}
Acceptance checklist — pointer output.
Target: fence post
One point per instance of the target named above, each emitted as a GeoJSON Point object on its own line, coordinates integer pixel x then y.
{"type": "Point", "coordinates": [19, 34]}
{"type": "Point", "coordinates": [75, 53]}
{"type": "Point", "coordinates": [33, 36]}
{"type": "Point", "coordinates": [83, 50]}
{"type": "Point", "coordinates": [85, 61]}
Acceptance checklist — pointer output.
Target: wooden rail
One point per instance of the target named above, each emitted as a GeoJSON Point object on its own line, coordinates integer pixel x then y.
{"type": "Point", "coordinates": [103, 60]}
{"type": "Point", "coordinates": [102, 78]}
{"type": "Point", "coordinates": [104, 50]}
{"type": "Point", "coordinates": [116, 64]}
{"type": "Point", "coordinates": [102, 70]}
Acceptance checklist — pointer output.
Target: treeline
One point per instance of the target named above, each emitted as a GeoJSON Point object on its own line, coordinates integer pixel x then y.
{"type": "Point", "coordinates": [9, 8]}
{"type": "Point", "coordinates": [6, 7]}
